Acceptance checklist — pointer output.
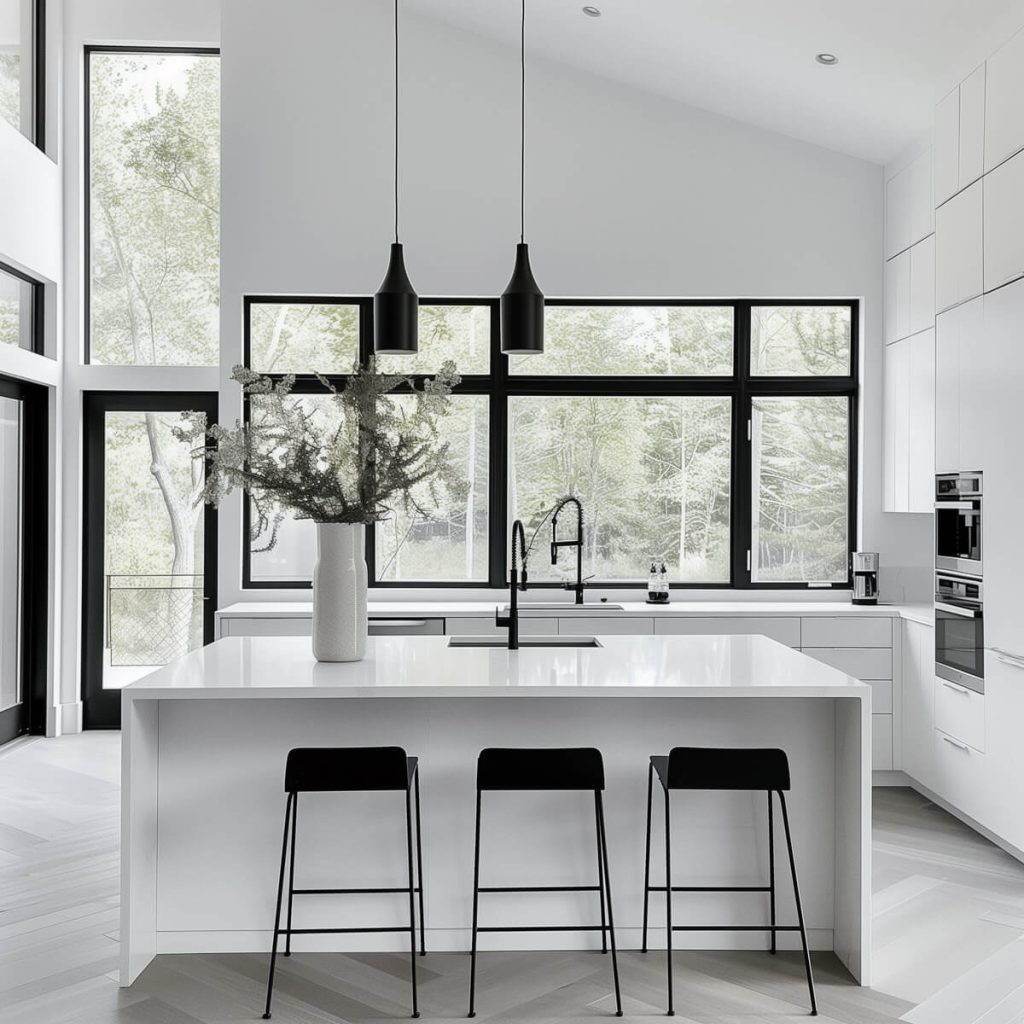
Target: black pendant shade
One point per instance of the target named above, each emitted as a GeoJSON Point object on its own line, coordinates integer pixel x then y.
{"type": "Point", "coordinates": [396, 310]}
{"type": "Point", "coordinates": [522, 309]}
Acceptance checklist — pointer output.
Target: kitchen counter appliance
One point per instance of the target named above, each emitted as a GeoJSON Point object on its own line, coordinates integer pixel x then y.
{"type": "Point", "coordinates": [959, 631]}
{"type": "Point", "coordinates": [958, 539]}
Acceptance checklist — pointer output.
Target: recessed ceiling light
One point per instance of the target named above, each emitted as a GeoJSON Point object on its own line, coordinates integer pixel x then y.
{"type": "Point", "coordinates": [591, 12]}
{"type": "Point", "coordinates": [828, 59]}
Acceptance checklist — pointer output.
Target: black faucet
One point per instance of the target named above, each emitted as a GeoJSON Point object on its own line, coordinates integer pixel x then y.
{"type": "Point", "coordinates": [516, 583]}
{"type": "Point", "coordinates": [577, 543]}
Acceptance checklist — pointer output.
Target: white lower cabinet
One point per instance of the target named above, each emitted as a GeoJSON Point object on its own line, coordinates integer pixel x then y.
{"type": "Point", "coordinates": [785, 630]}
{"type": "Point", "coordinates": [881, 743]}
{"type": "Point", "coordinates": [595, 625]}
{"type": "Point", "coordinates": [960, 777]}
{"type": "Point", "coordinates": [960, 713]}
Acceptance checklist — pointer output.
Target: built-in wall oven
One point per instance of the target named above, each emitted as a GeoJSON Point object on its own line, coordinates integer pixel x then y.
{"type": "Point", "coordinates": [959, 631]}
{"type": "Point", "coordinates": [958, 499]}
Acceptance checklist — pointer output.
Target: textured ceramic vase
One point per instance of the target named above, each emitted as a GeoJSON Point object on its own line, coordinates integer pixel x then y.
{"type": "Point", "coordinates": [339, 592]}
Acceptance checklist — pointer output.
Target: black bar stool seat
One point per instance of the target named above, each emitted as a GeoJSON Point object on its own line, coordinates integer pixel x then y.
{"type": "Point", "coordinates": [349, 770]}
{"type": "Point", "coordinates": [549, 769]}
{"type": "Point", "coordinates": [723, 768]}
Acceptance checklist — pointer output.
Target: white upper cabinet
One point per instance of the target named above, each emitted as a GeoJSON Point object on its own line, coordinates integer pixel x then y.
{"type": "Point", "coordinates": [909, 216]}
{"type": "Point", "coordinates": [962, 358]}
{"type": "Point", "coordinates": [959, 257]}
{"type": "Point", "coordinates": [1002, 369]}
{"type": "Point", "coordinates": [971, 148]}
{"type": "Point", "coordinates": [897, 297]}
{"type": "Point", "coordinates": [1004, 102]}
{"type": "Point", "coordinates": [947, 392]}
{"type": "Point", "coordinates": [921, 315]}
{"type": "Point", "coordinates": [946, 147]}
{"type": "Point", "coordinates": [909, 424]}
{"type": "Point", "coordinates": [1004, 223]}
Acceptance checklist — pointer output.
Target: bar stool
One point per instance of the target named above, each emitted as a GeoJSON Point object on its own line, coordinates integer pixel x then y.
{"type": "Point", "coordinates": [348, 770]}
{"type": "Point", "coordinates": [546, 769]}
{"type": "Point", "coordinates": [711, 768]}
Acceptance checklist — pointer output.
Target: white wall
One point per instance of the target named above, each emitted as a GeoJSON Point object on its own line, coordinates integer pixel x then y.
{"type": "Point", "coordinates": [627, 194]}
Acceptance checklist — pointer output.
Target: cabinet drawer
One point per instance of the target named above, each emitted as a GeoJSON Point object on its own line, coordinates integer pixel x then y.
{"type": "Point", "coordinates": [528, 626]}
{"type": "Point", "coordinates": [786, 631]}
{"type": "Point", "coordinates": [960, 775]}
{"type": "Point", "coordinates": [881, 743]}
{"type": "Point", "coordinates": [960, 713]}
{"type": "Point", "coordinates": [595, 625]}
{"type": "Point", "coordinates": [861, 662]}
{"type": "Point", "coordinates": [832, 631]}
{"type": "Point", "coordinates": [260, 626]}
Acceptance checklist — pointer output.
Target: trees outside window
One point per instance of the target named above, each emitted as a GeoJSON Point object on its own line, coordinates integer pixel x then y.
{"type": "Point", "coordinates": [715, 437]}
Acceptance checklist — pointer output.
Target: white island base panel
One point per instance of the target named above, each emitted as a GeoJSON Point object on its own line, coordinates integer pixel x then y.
{"type": "Point", "coordinates": [204, 748]}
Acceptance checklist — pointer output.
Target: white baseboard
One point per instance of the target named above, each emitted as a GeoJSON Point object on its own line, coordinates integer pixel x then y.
{"type": "Point", "coordinates": [896, 778]}
{"type": "Point", "coordinates": [69, 717]}
{"type": "Point", "coordinates": [456, 940]}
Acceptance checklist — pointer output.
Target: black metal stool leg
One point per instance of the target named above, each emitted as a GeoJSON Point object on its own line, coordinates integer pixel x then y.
{"type": "Point", "coordinates": [607, 886]}
{"type": "Point", "coordinates": [476, 903]}
{"type": "Point", "coordinates": [771, 864]}
{"type": "Point", "coordinates": [668, 902]}
{"type": "Point", "coordinates": [412, 902]}
{"type": "Point", "coordinates": [600, 882]}
{"type": "Point", "coordinates": [799, 907]}
{"type": "Point", "coordinates": [419, 867]}
{"type": "Point", "coordinates": [277, 913]}
{"type": "Point", "coordinates": [647, 852]}
{"type": "Point", "coordinates": [291, 876]}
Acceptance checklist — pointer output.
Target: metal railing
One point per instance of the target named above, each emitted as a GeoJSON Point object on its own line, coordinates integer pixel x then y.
{"type": "Point", "coordinates": [152, 619]}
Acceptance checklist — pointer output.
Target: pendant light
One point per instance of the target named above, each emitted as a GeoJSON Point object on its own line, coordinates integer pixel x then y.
{"type": "Point", "coordinates": [522, 302]}
{"type": "Point", "coordinates": [396, 305]}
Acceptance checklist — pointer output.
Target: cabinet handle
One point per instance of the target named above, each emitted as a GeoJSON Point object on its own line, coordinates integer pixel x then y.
{"type": "Point", "coordinates": [1003, 655]}
{"type": "Point", "coordinates": [959, 746]}
{"type": "Point", "coordinates": [956, 609]}
{"type": "Point", "coordinates": [1010, 662]}
{"type": "Point", "coordinates": [958, 689]}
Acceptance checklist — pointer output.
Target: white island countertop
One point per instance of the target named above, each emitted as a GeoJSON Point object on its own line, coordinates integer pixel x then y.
{"type": "Point", "coordinates": [425, 666]}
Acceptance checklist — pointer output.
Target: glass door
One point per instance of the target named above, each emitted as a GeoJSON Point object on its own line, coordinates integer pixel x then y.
{"type": "Point", "coordinates": [23, 553]}
{"type": "Point", "coordinates": [150, 556]}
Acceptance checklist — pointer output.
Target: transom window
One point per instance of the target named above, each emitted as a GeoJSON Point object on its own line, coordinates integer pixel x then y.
{"type": "Point", "coordinates": [716, 437]}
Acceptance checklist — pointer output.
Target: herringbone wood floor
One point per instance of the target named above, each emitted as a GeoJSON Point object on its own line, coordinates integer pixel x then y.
{"type": "Point", "coordinates": [949, 921]}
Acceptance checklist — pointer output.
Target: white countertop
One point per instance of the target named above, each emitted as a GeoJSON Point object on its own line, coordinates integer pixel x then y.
{"type": "Point", "coordinates": [485, 608]}
{"type": "Point", "coordinates": [425, 666]}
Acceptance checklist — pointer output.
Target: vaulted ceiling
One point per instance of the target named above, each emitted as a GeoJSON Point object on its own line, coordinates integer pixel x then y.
{"type": "Point", "coordinates": [754, 59]}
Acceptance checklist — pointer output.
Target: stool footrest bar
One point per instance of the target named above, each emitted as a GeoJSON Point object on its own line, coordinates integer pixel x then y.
{"type": "Point", "coordinates": [538, 888]}
{"type": "Point", "coordinates": [735, 928]}
{"type": "Point", "coordinates": [348, 892]}
{"type": "Point", "coordinates": [545, 928]}
{"type": "Point", "coordinates": [337, 931]}
{"type": "Point", "coordinates": [712, 888]}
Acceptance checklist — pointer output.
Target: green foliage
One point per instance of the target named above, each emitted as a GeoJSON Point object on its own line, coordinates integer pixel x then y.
{"type": "Point", "coordinates": [370, 461]}
{"type": "Point", "coordinates": [10, 88]}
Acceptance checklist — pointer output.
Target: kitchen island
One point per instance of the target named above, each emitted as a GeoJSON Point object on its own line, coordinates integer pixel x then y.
{"type": "Point", "coordinates": [204, 746]}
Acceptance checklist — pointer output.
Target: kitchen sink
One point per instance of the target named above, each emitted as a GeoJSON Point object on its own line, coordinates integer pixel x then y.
{"type": "Point", "coordinates": [501, 640]}
{"type": "Point", "coordinates": [556, 606]}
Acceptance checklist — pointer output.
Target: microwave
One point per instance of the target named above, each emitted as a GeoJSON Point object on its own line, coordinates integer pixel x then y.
{"type": "Point", "coordinates": [959, 631]}
{"type": "Point", "coordinates": [958, 541]}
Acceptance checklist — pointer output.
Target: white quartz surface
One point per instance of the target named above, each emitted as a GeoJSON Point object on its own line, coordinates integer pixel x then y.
{"type": "Point", "coordinates": [423, 666]}
{"type": "Point", "coordinates": [484, 608]}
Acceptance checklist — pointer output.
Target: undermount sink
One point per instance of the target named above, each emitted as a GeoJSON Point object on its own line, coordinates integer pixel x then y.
{"type": "Point", "coordinates": [524, 641]}
{"type": "Point", "coordinates": [555, 606]}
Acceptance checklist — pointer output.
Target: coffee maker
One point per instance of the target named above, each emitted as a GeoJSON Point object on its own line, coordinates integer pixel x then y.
{"type": "Point", "coordinates": [864, 570]}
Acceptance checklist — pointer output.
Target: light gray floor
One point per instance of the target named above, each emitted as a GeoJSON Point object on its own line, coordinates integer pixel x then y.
{"type": "Point", "coordinates": [948, 933]}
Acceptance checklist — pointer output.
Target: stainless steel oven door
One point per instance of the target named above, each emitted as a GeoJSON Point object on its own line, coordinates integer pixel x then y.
{"type": "Point", "coordinates": [959, 632]}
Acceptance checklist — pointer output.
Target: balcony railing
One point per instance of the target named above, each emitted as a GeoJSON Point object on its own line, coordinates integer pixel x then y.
{"type": "Point", "coordinates": [153, 619]}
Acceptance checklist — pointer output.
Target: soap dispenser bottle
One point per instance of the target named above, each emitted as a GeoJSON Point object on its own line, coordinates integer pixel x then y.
{"type": "Point", "coordinates": [652, 583]}
{"type": "Point", "coordinates": [663, 583]}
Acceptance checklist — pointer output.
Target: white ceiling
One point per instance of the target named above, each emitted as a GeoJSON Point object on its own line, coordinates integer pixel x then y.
{"type": "Point", "coordinates": [754, 59]}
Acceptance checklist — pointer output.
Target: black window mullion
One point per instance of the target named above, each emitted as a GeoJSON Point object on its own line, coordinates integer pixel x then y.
{"type": "Point", "coordinates": [497, 510]}
{"type": "Point", "coordinates": [741, 487]}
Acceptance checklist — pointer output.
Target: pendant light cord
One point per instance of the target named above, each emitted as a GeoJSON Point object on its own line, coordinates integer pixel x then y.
{"type": "Point", "coordinates": [522, 125]}
{"type": "Point", "coordinates": [396, 121]}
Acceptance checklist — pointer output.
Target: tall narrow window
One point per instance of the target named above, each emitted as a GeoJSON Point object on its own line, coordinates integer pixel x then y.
{"type": "Point", "coordinates": [20, 65]}
{"type": "Point", "coordinates": [153, 151]}
{"type": "Point", "coordinates": [20, 310]}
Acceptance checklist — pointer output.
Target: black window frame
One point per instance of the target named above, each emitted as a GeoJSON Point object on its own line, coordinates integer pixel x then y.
{"type": "Point", "coordinates": [37, 324]}
{"type": "Point", "coordinates": [89, 50]}
{"type": "Point", "coordinates": [740, 387]}
{"type": "Point", "coordinates": [36, 133]}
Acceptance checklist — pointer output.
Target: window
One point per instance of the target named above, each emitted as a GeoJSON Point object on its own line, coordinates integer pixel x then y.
{"type": "Point", "coordinates": [21, 310]}
{"type": "Point", "coordinates": [150, 556]}
{"type": "Point", "coordinates": [153, 207]}
{"type": "Point", "coordinates": [714, 436]}
{"type": "Point", "coordinates": [21, 66]}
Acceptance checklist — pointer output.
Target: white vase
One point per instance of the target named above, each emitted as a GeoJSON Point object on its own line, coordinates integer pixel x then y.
{"type": "Point", "coordinates": [339, 592]}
